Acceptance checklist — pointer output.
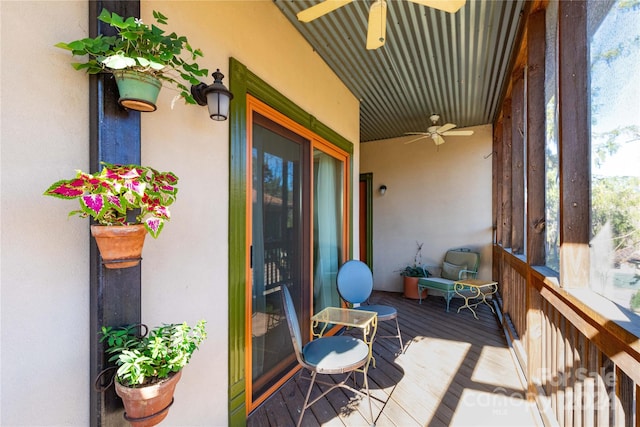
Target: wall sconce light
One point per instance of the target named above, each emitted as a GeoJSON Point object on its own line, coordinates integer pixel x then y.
{"type": "Point", "coordinates": [382, 189]}
{"type": "Point", "coordinates": [216, 96]}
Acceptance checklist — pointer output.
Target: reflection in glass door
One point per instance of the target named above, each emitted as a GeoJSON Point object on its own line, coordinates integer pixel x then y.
{"type": "Point", "coordinates": [277, 247]}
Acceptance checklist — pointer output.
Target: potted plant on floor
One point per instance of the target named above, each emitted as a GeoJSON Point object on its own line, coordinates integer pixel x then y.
{"type": "Point", "coordinates": [140, 57]}
{"type": "Point", "coordinates": [411, 273]}
{"type": "Point", "coordinates": [126, 202]}
{"type": "Point", "coordinates": [149, 366]}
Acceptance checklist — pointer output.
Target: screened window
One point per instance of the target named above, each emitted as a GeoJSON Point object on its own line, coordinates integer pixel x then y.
{"type": "Point", "coordinates": [614, 92]}
{"type": "Point", "coordinates": [552, 183]}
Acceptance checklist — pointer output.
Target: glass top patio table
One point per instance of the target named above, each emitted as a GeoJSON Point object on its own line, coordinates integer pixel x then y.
{"type": "Point", "coordinates": [345, 317]}
{"type": "Point", "coordinates": [367, 321]}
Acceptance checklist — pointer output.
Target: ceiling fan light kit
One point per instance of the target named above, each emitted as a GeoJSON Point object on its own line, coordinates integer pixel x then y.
{"type": "Point", "coordinates": [376, 31]}
{"type": "Point", "coordinates": [436, 132]}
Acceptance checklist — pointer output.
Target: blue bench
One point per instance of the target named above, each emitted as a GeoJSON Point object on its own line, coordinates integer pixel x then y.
{"type": "Point", "coordinates": [461, 263]}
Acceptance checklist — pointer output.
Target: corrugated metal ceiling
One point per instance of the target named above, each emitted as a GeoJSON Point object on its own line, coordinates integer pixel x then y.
{"type": "Point", "coordinates": [432, 61]}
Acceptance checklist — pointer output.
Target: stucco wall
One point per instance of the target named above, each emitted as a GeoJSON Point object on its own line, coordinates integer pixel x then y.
{"type": "Point", "coordinates": [437, 196]}
{"type": "Point", "coordinates": [44, 256]}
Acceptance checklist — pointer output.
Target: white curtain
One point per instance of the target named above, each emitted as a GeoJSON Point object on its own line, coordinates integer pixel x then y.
{"type": "Point", "coordinates": [327, 231]}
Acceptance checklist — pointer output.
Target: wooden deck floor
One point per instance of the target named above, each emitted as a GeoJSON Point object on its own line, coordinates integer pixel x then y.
{"type": "Point", "coordinates": [455, 370]}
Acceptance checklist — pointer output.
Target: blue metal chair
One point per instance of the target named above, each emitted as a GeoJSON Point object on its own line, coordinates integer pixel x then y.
{"type": "Point", "coordinates": [355, 284]}
{"type": "Point", "coordinates": [327, 355]}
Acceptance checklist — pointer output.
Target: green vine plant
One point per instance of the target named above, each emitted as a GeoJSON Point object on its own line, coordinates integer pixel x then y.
{"type": "Point", "coordinates": [140, 47]}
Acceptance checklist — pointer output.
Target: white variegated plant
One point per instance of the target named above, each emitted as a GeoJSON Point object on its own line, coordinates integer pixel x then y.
{"type": "Point", "coordinates": [140, 47]}
{"type": "Point", "coordinates": [147, 359]}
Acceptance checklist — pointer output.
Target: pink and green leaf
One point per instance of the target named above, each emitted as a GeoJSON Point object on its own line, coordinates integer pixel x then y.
{"type": "Point", "coordinates": [154, 226]}
{"type": "Point", "coordinates": [93, 204]}
{"type": "Point", "coordinates": [119, 189]}
{"type": "Point", "coordinates": [65, 189]}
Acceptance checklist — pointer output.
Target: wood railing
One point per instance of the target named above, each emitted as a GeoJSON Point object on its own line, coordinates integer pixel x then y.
{"type": "Point", "coordinates": [582, 369]}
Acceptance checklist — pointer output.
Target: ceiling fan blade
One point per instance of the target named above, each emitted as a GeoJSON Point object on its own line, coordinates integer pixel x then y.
{"type": "Point", "coordinates": [445, 128]}
{"type": "Point", "coordinates": [320, 9]}
{"type": "Point", "coordinates": [377, 27]}
{"type": "Point", "coordinates": [451, 6]}
{"type": "Point", "coordinates": [422, 135]}
{"type": "Point", "coordinates": [438, 139]}
{"type": "Point", "coordinates": [457, 133]}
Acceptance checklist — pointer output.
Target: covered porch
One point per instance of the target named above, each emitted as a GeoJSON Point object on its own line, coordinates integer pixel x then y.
{"type": "Point", "coordinates": [455, 370]}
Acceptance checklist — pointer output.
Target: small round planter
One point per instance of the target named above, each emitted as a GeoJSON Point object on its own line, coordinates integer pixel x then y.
{"type": "Point", "coordinates": [120, 245]}
{"type": "Point", "coordinates": [411, 288]}
{"type": "Point", "coordinates": [149, 405]}
{"type": "Point", "coordinates": [138, 91]}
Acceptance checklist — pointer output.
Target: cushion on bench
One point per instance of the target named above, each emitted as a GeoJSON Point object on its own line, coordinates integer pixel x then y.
{"type": "Point", "coordinates": [436, 283]}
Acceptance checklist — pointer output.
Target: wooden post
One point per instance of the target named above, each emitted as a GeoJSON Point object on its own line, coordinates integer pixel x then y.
{"type": "Point", "coordinates": [536, 138]}
{"type": "Point", "coordinates": [506, 175]}
{"type": "Point", "coordinates": [517, 162]}
{"type": "Point", "coordinates": [115, 296]}
{"type": "Point", "coordinates": [574, 148]}
{"type": "Point", "coordinates": [498, 140]}
{"type": "Point", "coordinates": [535, 192]}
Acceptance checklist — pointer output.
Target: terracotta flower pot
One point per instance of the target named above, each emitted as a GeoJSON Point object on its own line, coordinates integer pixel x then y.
{"type": "Point", "coordinates": [120, 246]}
{"type": "Point", "coordinates": [148, 406]}
{"type": "Point", "coordinates": [411, 288]}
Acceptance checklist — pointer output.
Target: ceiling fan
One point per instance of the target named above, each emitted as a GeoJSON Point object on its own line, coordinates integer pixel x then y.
{"type": "Point", "coordinates": [436, 132]}
{"type": "Point", "coordinates": [377, 15]}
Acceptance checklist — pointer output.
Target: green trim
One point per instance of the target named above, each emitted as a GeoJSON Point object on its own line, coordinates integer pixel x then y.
{"type": "Point", "coordinates": [243, 82]}
{"type": "Point", "coordinates": [368, 179]}
{"type": "Point", "coordinates": [237, 238]}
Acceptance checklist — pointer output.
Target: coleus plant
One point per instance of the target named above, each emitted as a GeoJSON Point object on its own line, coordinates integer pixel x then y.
{"type": "Point", "coordinates": [118, 190]}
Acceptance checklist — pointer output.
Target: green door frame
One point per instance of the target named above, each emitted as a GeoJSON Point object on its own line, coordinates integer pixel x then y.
{"type": "Point", "coordinates": [367, 178]}
{"type": "Point", "coordinates": [242, 82]}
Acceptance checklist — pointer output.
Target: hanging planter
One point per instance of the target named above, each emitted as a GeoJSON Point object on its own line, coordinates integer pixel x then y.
{"type": "Point", "coordinates": [126, 202]}
{"type": "Point", "coordinates": [120, 246]}
{"type": "Point", "coordinates": [148, 406]}
{"type": "Point", "coordinates": [138, 91]}
{"type": "Point", "coordinates": [150, 51]}
{"type": "Point", "coordinates": [148, 367]}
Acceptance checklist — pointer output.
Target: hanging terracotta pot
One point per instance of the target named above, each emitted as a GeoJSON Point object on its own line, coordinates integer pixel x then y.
{"type": "Point", "coordinates": [149, 405]}
{"type": "Point", "coordinates": [411, 288]}
{"type": "Point", "coordinates": [138, 91]}
{"type": "Point", "coordinates": [120, 246]}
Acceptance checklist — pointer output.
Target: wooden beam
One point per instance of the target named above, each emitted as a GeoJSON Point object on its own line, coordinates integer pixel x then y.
{"type": "Point", "coordinates": [506, 175]}
{"type": "Point", "coordinates": [574, 150]}
{"type": "Point", "coordinates": [497, 182]}
{"type": "Point", "coordinates": [535, 123]}
{"type": "Point", "coordinates": [115, 295]}
{"type": "Point", "coordinates": [517, 162]}
{"type": "Point", "coordinates": [536, 139]}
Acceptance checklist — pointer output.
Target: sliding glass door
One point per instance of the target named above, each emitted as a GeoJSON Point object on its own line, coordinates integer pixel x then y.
{"type": "Point", "coordinates": [298, 239]}
{"type": "Point", "coordinates": [277, 245]}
